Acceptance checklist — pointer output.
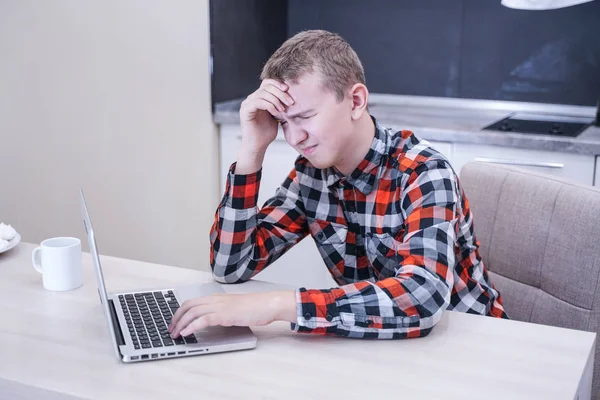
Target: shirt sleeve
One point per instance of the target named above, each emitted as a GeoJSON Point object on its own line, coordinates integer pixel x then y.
{"type": "Point", "coordinates": [245, 240]}
{"type": "Point", "coordinates": [409, 304]}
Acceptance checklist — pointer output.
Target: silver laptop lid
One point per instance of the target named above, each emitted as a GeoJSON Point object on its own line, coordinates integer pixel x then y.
{"type": "Point", "coordinates": [87, 223]}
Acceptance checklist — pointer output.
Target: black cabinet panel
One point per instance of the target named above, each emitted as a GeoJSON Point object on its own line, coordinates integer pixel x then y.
{"type": "Point", "coordinates": [244, 33]}
{"type": "Point", "coordinates": [548, 56]}
{"type": "Point", "coordinates": [406, 46]}
{"type": "Point", "coordinates": [444, 48]}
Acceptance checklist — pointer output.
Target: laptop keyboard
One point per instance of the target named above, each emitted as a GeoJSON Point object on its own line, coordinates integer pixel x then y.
{"type": "Point", "coordinates": [148, 316]}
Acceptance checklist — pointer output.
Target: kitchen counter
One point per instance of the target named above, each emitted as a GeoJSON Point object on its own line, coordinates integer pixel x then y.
{"type": "Point", "coordinates": [461, 120]}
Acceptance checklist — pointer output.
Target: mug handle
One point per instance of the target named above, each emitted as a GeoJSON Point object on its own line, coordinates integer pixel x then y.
{"type": "Point", "coordinates": [35, 259]}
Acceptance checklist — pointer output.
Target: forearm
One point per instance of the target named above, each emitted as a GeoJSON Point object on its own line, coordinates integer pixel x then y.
{"type": "Point", "coordinates": [243, 240]}
{"type": "Point", "coordinates": [399, 307]}
{"type": "Point", "coordinates": [285, 306]}
{"type": "Point", "coordinates": [249, 160]}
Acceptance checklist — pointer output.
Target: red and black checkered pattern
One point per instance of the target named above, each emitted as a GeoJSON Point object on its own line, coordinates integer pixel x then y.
{"type": "Point", "coordinates": [396, 235]}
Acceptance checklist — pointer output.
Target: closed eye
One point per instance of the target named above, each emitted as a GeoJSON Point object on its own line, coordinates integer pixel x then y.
{"type": "Point", "coordinates": [281, 121]}
{"type": "Point", "coordinates": [306, 117]}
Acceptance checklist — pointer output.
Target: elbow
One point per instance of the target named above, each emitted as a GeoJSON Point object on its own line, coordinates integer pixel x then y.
{"type": "Point", "coordinates": [227, 279]}
{"type": "Point", "coordinates": [226, 274]}
{"type": "Point", "coordinates": [428, 315]}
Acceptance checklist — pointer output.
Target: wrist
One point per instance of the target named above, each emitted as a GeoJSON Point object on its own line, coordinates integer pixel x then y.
{"type": "Point", "coordinates": [284, 304]}
{"type": "Point", "coordinates": [249, 160]}
{"type": "Point", "coordinates": [250, 147]}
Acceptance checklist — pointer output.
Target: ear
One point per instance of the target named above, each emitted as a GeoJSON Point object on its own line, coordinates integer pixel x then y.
{"type": "Point", "coordinates": [360, 96]}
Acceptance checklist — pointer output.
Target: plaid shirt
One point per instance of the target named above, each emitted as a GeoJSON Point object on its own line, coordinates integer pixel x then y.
{"type": "Point", "coordinates": [396, 235]}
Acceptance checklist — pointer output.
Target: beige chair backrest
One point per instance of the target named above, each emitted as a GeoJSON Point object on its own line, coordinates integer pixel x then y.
{"type": "Point", "coordinates": [540, 239]}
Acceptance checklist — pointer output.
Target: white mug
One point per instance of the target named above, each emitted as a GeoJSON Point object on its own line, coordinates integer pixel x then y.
{"type": "Point", "coordinates": [60, 263]}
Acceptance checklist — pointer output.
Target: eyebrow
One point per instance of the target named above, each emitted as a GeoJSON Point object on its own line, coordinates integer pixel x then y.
{"type": "Point", "coordinates": [301, 114]}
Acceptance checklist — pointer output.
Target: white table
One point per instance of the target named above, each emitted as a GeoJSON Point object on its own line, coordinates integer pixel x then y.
{"type": "Point", "coordinates": [56, 345]}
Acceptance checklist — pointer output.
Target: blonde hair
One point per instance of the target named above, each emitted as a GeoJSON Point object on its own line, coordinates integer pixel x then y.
{"type": "Point", "coordinates": [327, 53]}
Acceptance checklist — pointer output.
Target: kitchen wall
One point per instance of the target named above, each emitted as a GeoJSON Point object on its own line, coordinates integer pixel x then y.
{"type": "Point", "coordinates": [114, 97]}
{"type": "Point", "coordinates": [464, 48]}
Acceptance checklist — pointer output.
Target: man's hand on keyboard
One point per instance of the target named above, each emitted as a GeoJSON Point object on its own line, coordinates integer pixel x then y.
{"type": "Point", "coordinates": [251, 309]}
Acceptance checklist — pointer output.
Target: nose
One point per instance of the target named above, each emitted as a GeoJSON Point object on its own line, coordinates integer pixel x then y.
{"type": "Point", "coordinates": [296, 135]}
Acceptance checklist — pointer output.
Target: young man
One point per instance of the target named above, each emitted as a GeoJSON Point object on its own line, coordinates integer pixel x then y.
{"type": "Point", "coordinates": [385, 209]}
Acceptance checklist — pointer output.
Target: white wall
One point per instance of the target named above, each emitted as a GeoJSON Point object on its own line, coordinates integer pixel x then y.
{"type": "Point", "coordinates": [112, 96]}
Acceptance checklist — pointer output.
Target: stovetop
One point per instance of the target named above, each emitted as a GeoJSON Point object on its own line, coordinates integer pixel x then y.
{"type": "Point", "coordinates": [544, 124]}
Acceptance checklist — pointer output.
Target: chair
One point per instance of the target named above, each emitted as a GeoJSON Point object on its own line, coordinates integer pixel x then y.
{"type": "Point", "coordinates": [540, 239]}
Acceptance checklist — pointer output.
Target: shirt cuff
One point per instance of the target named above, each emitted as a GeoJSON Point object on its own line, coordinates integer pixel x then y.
{"type": "Point", "coordinates": [241, 191]}
{"type": "Point", "coordinates": [316, 312]}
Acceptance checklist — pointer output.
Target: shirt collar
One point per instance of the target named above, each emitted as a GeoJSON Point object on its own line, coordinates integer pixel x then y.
{"type": "Point", "coordinates": [364, 176]}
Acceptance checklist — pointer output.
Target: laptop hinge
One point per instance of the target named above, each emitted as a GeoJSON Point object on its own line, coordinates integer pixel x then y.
{"type": "Point", "coordinates": [115, 323]}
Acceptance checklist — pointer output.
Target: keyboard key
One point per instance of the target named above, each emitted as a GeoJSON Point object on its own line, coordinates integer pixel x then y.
{"type": "Point", "coordinates": [157, 343]}
{"type": "Point", "coordinates": [190, 339]}
{"type": "Point", "coordinates": [146, 345]}
{"type": "Point", "coordinates": [168, 342]}
{"type": "Point", "coordinates": [179, 340]}
{"type": "Point", "coordinates": [136, 346]}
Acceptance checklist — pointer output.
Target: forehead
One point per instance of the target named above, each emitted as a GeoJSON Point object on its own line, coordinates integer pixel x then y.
{"type": "Point", "coordinates": [307, 88]}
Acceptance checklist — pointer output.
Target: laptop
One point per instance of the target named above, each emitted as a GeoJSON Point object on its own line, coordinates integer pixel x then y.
{"type": "Point", "coordinates": [138, 320]}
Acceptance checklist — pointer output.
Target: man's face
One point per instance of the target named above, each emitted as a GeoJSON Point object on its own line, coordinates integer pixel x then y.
{"type": "Point", "coordinates": [317, 125]}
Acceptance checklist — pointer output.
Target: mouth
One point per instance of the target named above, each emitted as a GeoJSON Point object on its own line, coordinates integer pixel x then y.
{"type": "Point", "coordinates": [309, 150]}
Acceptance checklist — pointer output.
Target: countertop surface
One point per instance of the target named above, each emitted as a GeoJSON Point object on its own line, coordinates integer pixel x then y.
{"type": "Point", "coordinates": [461, 121]}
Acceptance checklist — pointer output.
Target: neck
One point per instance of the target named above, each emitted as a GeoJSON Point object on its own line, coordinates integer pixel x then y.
{"type": "Point", "coordinates": [357, 149]}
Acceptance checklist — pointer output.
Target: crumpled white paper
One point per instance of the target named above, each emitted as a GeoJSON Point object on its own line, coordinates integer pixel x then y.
{"type": "Point", "coordinates": [7, 232]}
